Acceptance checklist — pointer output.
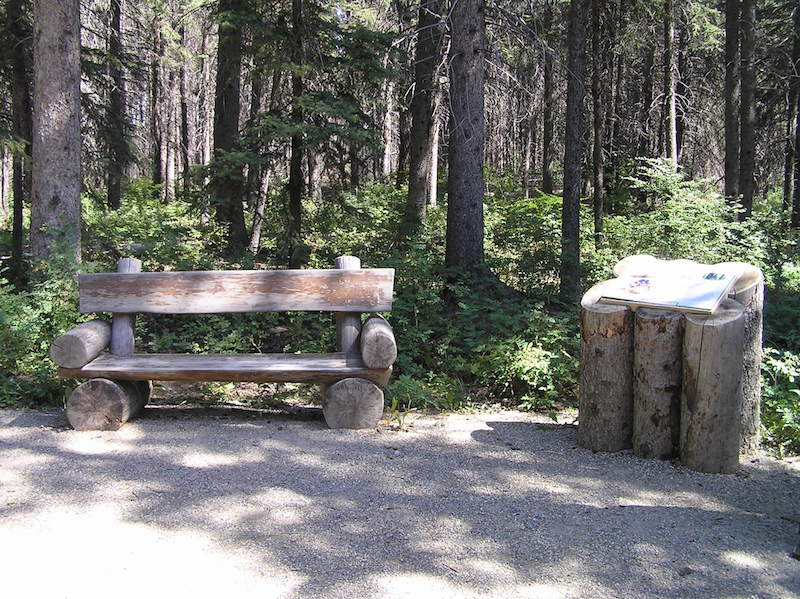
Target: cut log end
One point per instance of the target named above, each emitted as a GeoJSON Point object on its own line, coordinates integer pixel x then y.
{"type": "Point", "coordinates": [103, 404]}
{"type": "Point", "coordinates": [81, 345]}
{"type": "Point", "coordinates": [378, 345]}
{"type": "Point", "coordinates": [353, 403]}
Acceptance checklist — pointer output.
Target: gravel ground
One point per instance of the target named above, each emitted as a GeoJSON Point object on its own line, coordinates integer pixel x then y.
{"type": "Point", "coordinates": [226, 503]}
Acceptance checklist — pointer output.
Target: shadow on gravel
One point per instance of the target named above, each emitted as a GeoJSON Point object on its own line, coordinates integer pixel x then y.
{"type": "Point", "coordinates": [458, 507]}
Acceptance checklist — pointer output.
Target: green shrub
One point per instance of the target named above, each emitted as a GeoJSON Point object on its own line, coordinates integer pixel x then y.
{"type": "Point", "coordinates": [780, 411]}
{"type": "Point", "coordinates": [29, 322]}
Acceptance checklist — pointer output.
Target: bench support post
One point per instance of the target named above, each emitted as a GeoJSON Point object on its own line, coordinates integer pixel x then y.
{"type": "Point", "coordinates": [122, 324]}
{"type": "Point", "coordinates": [348, 324]}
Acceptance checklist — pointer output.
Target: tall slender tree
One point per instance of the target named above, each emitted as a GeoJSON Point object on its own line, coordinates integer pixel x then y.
{"type": "Point", "coordinates": [464, 238]}
{"type": "Point", "coordinates": [670, 108]}
{"type": "Point", "coordinates": [295, 186]}
{"type": "Point", "coordinates": [227, 182]}
{"type": "Point", "coordinates": [20, 28]}
{"type": "Point", "coordinates": [747, 108]}
{"type": "Point", "coordinates": [56, 139]}
{"type": "Point", "coordinates": [116, 121]}
{"type": "Point", "coordinates": [426, 62]}
{"type": "Point", "coordinates": [597, 121]}
{"type": "Point", "coordinates": [731, 93]}
{"type": "Point", "coordinates": [570, 287]}
{"type": "Point", "coordinates": [548, 104]}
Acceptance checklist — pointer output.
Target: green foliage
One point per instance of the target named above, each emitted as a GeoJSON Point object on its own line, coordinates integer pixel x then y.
{"type": "Point", "coordinates": [167, 235]}
{"type": "Point", "coordinates": [780, 411]}
{"type": "Point", "coordinates": [29, 322]}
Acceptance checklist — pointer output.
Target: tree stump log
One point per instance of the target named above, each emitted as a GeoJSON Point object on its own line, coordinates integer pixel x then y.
{"type": "Point", "coordinates": [711, 401]}
{"type": "Point", "coordinates": [378, 346]}
{"type": "Point", "coordinates": [605, 421]}
{"type": "Point", "coordinates": [657, 361]}
{"type": "Point", "coordinates": [749, 291]}
{"type": "Point", "coordinates": [353, 403]}
{"type": "Point", "coordinates": [79, 346]}
{"type": "Point", "coordinates": [105, 405]}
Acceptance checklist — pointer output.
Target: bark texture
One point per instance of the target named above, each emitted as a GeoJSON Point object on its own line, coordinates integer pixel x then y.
{"type": "Point", "coordinates": [657, 361]}
{"type": "Point", "coordinates": [732, 99]}
{"type": "Point", "coordinates": [711, 400]}
{"type": "Point", "coordinates": [573, 153]}
{"type": "Point", "coordinates": [228, 188]}
{"type": "Point", "coordinates": [464, 241]}
{"type": "Point", "coordinates": [56, 143]}
{"type": "Point", "coordinates": [606, 388]}
{"type": "Point", "coordinates": [751, 296]}
{"type": "Point", "coordinates": [428, 57]}
{"type": "Point", "coordinates": [747, 108]}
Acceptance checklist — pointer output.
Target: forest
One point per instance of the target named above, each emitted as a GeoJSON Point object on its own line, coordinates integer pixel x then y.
{"type": "Point", "coordinates": [501, 155]}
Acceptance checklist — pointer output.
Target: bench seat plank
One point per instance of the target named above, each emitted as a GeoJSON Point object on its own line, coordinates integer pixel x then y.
{"type": "Point", "coordinates": [321, 369]}
{"type": "Point", "coordinates": [213, 292]}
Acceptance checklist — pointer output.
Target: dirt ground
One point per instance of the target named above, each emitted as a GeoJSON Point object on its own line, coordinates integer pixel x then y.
{"type": "Point", "coordinates": [229, 502]}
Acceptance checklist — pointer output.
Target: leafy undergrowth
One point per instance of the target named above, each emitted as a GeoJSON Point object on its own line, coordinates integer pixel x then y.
{"type": "Point", "coordinates": [507, 344]}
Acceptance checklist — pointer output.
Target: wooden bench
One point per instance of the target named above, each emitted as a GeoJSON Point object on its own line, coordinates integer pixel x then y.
{"type": "Point", "coordinates": [120, 382]}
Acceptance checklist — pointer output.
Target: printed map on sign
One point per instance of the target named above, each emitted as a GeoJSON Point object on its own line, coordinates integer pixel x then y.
{"type": "Point", "coordinates": [685, 286]}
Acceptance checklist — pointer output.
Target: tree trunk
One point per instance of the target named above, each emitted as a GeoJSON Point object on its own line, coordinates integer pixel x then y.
{"type": "Point", "coordinates": [597, 121]}
{"type": "Point", "coordinates": [569, 290]}
{"type": "Point", "coordinates": [258, 215]}
{"type": "Point", "coordinates": [316, 164]}
{"type": "Point", "coordinates": [644, 145]}
{"type": "Point", "coordinates": [228, 188]}
{"type": "Point", "coordinates": [428, 56]}
{"type": "Point", "coordinates": [732, 99]}
{"type": "Point", "coordinates": [56, 200]}
{"type": "Point", "coordinates": [184, 100]}
{"type": "Point", "coordinates": [22, 122]}
{"type": "Point", "coordinates": [433, 186]}
{"type": "Point", "coordinates": [117, 120]}
{"type": "Point", "coordinates": [670, 111]}
{"type": "Point", "coordinates": [791, 116]}
{"type": "Point", "coordinates": [388, 129]}
{"type": "Point", "coordinates": [156, 129]}
{"type": "Point", "coordinates": [681, 82]}
{"type": "Point", "coordinates": [548, 103]}
{"type": "Point", "coordinates": [747, 109]}
{"type": "Point", "coordinates": [795, 218]}
{"type": "Point", "coordinates": [295, 185]}
{"type": "Point", "coordinates": [464, 238]}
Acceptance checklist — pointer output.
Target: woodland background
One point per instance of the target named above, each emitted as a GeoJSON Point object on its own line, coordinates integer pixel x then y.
{"type": "Point", "coordinates": [501, 155]}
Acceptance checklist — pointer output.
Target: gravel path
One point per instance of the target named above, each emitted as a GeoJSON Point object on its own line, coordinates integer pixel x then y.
{"type": "Point", "coordinates": [202, 503]}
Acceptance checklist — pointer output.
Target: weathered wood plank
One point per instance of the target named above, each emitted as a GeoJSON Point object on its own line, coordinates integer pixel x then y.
{"type": "Point", "coordinates": [210, 292]}
{"type": "Point", "coordinates": [260, 368]}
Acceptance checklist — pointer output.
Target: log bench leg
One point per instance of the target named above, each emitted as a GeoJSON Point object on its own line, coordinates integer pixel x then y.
{"type": "Point", "coordinates": [352, 403]}
{"type": "Point", "coordinates": [105, 405]}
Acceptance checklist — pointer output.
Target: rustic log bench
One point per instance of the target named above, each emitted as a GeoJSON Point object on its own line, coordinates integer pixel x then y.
{"type": "Point", "coordinates": [120, 382]}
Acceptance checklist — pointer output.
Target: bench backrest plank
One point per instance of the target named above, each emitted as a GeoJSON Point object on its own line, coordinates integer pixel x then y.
{"type": "Point", "coordinates": [211, 292]}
